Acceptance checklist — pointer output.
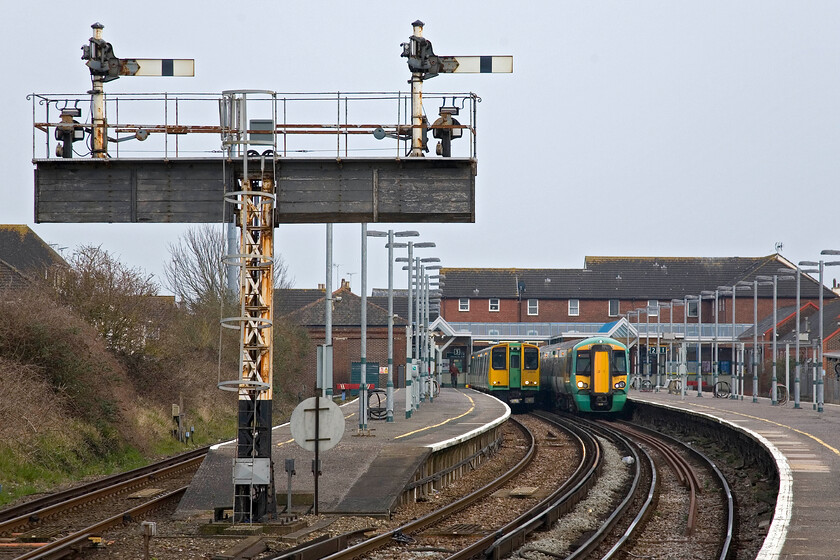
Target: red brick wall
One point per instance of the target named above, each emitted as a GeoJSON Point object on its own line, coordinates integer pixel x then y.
{"type": "Point", "coordinates": [597, 311]}
{"type": "Point", "coordinates": [347, 349]}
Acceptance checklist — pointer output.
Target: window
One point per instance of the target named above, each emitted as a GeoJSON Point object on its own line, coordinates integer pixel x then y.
{"type": "Point", "coordinates": [531, 358]}
{"type": "Point", "coordinates": [620, 363]}
{"type": "Point", "coordinates": [574, 307]}
{"type": "Point", "coordinates": [653, 308]}
{"type": "Point", "coordinates": [463, 304]}
{"type": "Point", "coordinates": [499, 358]}
{"type": "Point", "coordinates": [533, 307]}
{"type": "Point", "coordinates": [582, 362]}
{"type": "Point", "coordinates": [692, 309]}
{"type": "Point", "coordinates": [494, 304]}
{"type": "Point", "coordinates": [614, 308]}
{"type": "Point", "coordinates": [514, 361]}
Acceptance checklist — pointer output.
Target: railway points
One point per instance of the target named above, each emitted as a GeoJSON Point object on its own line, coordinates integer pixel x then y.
{"type": "Point", "coordinates": [806, 447]}
{"type": "Point", "coordinates": [369, 475]}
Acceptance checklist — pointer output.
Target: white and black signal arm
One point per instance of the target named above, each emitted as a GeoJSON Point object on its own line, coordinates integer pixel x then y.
{"type": "Point", "coordinates": [422, 60]}
{"type": "Point", "coordinates": [105, 66]}
{"type": "Point", "coordinates": [425, 64]}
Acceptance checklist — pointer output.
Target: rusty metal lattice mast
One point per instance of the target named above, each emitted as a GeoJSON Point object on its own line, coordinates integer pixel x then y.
{"type": "Point", "coordinates": [254, 203]}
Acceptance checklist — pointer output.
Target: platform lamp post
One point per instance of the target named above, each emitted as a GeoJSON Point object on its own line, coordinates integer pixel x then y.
{"type": "Point", "coordinates": [736, 365]}
{"type": "Point", "coordinates": [774, 397]}
{"type": "Point", "coordinates": [797, 387]}
{"type": "Point", "coordinates": [691, 298]}
{"type": "Point", "coordinates": [435, 283]}
{"type": "Point", "coordinates": [410, 405]}
{"type": "Point", "coordinates": [629, 327]}
{"type": "Point", "coordinates": [659, 337]}
{"type": "Point", "coordinates": [713, 294]}
{"type": "Point", "coordinates": [821, 375]}
{"type": "Point", "coordinates": [423, 340]}
{"type": "Point", "coordinates": [683, 350]}
{"type": "Point", "coordinates": [391, 245]}
{"type": "Point", "coordinates": [642, 359]}
{"type": "Point", "coordinates": [754, 286]}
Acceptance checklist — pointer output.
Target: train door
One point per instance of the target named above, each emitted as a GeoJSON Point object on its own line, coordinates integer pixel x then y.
{"type": "Point", "coordinates": [515, 363]}
{"type": "Point", "coordinates": [601, 369]}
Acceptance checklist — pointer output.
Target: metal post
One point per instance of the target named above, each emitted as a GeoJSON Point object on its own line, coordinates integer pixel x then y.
{"type": "Point", "coordinates": [796, 381]}
{"type": "Point", "coordinates": [774, 398]}
{"type": "Point", "coordinates": [755, 343]}
{"type": "Point", "coordinates": [389, 393]}
{"type": "Point", "coordinates": [647, 343]}
{"type": "Point", "coordinates": [419, 390]}
{"type": "Point", "coordinates": [821, 370]}
{"type": "Point", "coordinates": [417, 102]}
{"type": "Point", "coordinates": [700, 345]}
{"type": "Point", "coordinates": [409, 389]}
{"type": "Point", "coordinates": [684, 356]}
{"type": "Point", "coordinates": [363, 393]}
{"type": "Point", "coordinates": [735, 366]}
{"type": "Point", "coordinates": [327, 389]}
{"type": "Point", "coordinates": [715, 361]}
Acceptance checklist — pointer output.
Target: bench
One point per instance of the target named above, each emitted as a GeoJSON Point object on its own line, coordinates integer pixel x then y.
{"type": "Point", "coordinates": [344, 387]}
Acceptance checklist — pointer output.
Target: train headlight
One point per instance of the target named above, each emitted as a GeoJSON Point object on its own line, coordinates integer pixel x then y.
{"type": "Point", "coordinates": [620, 385]}
{"type": "Point", "coordinates": [582, 385]}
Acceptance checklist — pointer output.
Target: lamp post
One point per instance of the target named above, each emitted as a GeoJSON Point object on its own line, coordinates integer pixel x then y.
{"type": "Point", "coordinates": [797, 390]}
{"type": "Point", "coordinates": [688, 299]}
{"type": "Point", "coordinates": [714, 349]}
{"type": "Point", "coordinates": [410, 404]}
{"type": "Point", "coordinates": [659, 337]}
{"type": "Point", "coordinates": [774, 399]}
{"type": "Point", "coordinates": [821, 376]}
{"type": "Point", "coordinates": [391, 245]}
{"type": "Point", "coordinates": [639, 356]}
{"type": "Point", "coordinates": [424, 340]}
{"type": "Point", "coordinates": [737, 366]}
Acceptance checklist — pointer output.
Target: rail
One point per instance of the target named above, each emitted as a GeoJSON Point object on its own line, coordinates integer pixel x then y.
{"type": "Point", "coordinates": [324, 124]}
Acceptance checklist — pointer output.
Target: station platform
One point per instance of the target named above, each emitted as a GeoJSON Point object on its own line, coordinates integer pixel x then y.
{"type": "Point", "coordinates": [806, 446]}
{"type": "Point", "coordinates": [362, 474]}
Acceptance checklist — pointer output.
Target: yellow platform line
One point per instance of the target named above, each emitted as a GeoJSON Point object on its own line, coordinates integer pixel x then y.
{"type": "Point", "coordinates": [472, 407]}
{"type": "Point", "coordinates": [806, 434]}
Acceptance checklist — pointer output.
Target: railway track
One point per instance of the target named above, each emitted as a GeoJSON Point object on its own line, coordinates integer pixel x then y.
{"type": "Point", "coordinates": [56, 525]}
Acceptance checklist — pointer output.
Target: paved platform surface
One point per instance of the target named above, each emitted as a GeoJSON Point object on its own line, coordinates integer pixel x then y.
{"type": "Point", "coordinates": [807, 449]}
{"type": "Point", "coordinates": [361, 474]}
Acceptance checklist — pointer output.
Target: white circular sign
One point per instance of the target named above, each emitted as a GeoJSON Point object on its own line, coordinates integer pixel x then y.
{"type": "Point", "coordinates": [330, 423]}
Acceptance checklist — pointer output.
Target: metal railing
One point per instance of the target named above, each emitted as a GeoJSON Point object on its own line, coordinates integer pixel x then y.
{"type": "Point", "coordinates": [325, 124]}
{"type": "Point", "coordinates": [545, 331]}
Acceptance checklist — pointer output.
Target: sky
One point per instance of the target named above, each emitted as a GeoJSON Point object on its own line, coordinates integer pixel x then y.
{"type": "Point", "coordinates": [644, 128]}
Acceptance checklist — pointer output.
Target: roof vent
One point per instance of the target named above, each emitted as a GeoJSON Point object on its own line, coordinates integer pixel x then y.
{"type": "Point", "coordinates": [618, 276]}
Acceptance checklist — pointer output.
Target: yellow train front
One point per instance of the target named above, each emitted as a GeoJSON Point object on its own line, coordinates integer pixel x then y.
{"type": "Point", "coordinates": [585, 375]}
{"type": "Point", "coordinates": [509, 371]}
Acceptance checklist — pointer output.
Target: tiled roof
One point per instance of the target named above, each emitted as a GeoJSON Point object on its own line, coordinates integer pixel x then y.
{"type": "Point", "coordinates": [289, 300]}
{"type": "Point", "coordinates": [659, 278]}
{"type": "Point", "coordinates": [346, 312]}
{"type": "Point", "coordinates": [22, 250]}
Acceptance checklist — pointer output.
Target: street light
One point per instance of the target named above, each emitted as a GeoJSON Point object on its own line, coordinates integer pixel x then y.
{"type": "Point", "coordinates": [797, 363]}
{"type": "Point", "coordinates": [411, 402]}
{"type": "Point", "coordinates": [714, 350]}
{"type": "Point", "coordinates": [821, 376]}
{"type": "Point", "coordinates": [737, 366]}
{"type": "Point", "coordinates": [774, 398]}
{"type": "Point", "coordinates": [659, 336]}
{"type": "Point", "coordinates": [391, 245]}
{"type": "Point", "coordinates": [639, 311]}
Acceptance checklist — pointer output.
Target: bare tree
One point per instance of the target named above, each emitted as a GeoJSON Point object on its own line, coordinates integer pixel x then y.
{"type": "Point", "coordinates": [115, 299]}
{"type": "Point", "coordinates": [196, 272]}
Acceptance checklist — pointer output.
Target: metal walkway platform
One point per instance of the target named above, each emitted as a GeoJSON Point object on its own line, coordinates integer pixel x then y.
{"type": "Point", "coordinates": [362, 474]}
{"type": "Point", "coordinates": [806, 446]}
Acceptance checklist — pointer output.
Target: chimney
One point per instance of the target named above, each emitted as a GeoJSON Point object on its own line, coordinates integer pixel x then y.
{"type": "Point", "coordinates": [322, 287]}
{"type": "Point", "coordinates": [345, 284]}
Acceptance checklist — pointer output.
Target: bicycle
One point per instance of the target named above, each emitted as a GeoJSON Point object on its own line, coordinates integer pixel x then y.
{"type": "Point", "coordinates": [722, 390]}
{"type": "Point", "coordinates": [781, 394]}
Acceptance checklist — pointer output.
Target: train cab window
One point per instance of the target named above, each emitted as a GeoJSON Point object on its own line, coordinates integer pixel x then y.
{"type": "Point", "coordinates": [499, 358]}
{"type": "Point", "coordinates": [514, 361]}
{"type": "Point", "coordinates": [620, 360]}
{"type": "Point", "coordinates": [583, 363]}
{"type": "Point", "coordinates": [531, 358]}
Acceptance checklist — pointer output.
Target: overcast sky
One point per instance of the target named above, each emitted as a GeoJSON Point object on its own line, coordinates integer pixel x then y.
{"type": "Point", "coordinates": [689, 128]}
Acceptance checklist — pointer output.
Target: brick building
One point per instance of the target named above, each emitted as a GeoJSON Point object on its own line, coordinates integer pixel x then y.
{"type": "Point", "coordinates": [547, 305]}
{"type": "Point", "coordinates": [307, 308]}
